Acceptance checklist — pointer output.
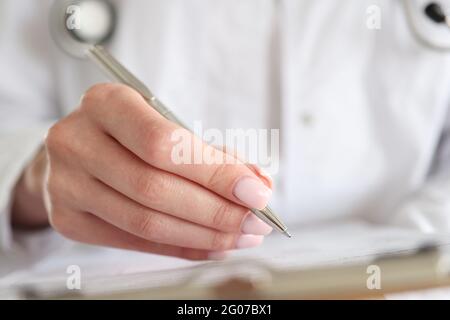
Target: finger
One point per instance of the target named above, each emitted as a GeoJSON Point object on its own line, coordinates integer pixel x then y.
{"type": "Point", "coordinates": [126, 116]}
{"type": "Point", "coordinates": [260, 172]}
{"type": "Point", "coordinates": [166, 192]}
{"type": "Point", "coordinates": [155, 226]}
{"type": "Point", "coordinates": [86, 228]}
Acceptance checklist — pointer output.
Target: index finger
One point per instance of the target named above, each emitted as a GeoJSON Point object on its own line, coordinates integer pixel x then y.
{"type": "Point", "coordinates": [127, 117]}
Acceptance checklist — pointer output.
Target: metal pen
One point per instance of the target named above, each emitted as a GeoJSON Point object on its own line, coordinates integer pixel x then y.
{"type": "Point", "coordinates": [115, 70]}
{"type": "Point", "coordinates": [82, 42]}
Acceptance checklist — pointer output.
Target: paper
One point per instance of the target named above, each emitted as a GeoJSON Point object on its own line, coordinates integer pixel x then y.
{"type": "Point", "coordinates": [107, 270]}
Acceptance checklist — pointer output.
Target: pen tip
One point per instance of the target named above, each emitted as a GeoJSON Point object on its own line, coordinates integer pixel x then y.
{"type": "Point", "coordinates": [287, 234]}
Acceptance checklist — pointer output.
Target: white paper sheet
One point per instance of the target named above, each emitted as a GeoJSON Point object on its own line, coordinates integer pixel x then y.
{"type": "Point", "coordinates": [106, 270]}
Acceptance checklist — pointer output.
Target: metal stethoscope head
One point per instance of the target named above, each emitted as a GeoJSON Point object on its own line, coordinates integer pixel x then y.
{"type": "Point", "coordinates": [80, 27]}
{"type": "Point", "coordinates": [77, 25]}
{"type": "Point", "coordinates": [435, 12]}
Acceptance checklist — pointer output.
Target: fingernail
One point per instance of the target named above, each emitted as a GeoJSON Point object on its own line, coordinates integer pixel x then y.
{"type": "Point", "coordinates": [252, 192]}
{"type": "Point", "coordinates": [249, 241]}
{"type": "Point", "coordinates": [253, 225]}
{"type": "Point", "coordinates": [218, 255]}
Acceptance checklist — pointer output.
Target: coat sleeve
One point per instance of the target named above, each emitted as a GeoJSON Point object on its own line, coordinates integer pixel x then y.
{"type": "Point", "coordinates": [27, 100]}
{"type": "Point", "coordinates": [428, 208]}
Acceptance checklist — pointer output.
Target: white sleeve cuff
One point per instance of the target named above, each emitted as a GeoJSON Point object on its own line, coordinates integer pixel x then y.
{"type": "Point", "coordinates": [428, 210]}
{"type": "Point", "coordinates": [17, 149]}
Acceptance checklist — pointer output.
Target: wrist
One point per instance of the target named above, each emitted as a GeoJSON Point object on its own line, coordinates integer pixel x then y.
{"type": "Point", "coordinates": [28, 210]}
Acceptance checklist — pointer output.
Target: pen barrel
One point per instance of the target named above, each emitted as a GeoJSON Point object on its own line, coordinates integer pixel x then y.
{"type": "Point", "coordinates": [117, 72]}
{"type": "Point", "coordinates": [268, 216]}
{"type": "Point", "coordinates": [156, 104]}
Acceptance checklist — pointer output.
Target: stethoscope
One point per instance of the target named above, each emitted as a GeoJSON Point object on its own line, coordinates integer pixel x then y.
{"type": "Point", "coordinates": [99, 18]}
{"type": "Point", "coordinates": [80, 27]}
{"type": "Point", "coordinates": [435, 13]}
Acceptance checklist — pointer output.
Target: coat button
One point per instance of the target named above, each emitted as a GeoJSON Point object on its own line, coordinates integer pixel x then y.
{"type": "Point", "coordinates": [306, 119]}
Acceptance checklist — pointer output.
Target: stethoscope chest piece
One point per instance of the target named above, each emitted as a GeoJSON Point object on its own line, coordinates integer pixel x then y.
{"type": "Point", "coordinates": [76, 25]}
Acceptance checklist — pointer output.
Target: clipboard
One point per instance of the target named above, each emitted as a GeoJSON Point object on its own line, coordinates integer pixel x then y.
{"type": "Point", "coordinates": [324, 262]}
{"type": "Point", "coordinates": [425, 269]}
{"type": "Point", "coordinates": [415, 270]}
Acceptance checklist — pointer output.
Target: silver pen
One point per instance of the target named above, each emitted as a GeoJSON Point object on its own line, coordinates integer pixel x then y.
{"type": "Point", "coordinates": [115, 70]}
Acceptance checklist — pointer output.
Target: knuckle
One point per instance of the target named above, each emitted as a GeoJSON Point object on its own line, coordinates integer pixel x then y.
{"type": "Point", "coordinates": [222, 241]}
{"type": "Point", "coordinates": [148, 226]}
{"type": "Point", "coordinates": [60, 138]}
{"type": "Point", "coordinates": [217, 176]}
{"type": "Point", "coordinates": [56, 137]}
{"type": "Point", "coordinates": [120, 93]}
{"type": "Point", "coordinates": [95, 94]}
{"type": "Point", "coordinates": [100, 94]}
{"type": "Point", "coordinates": [149, 187]}
{"type": "Point", "coordinates": [59, 193]}
{"type": "Point", "coordinates": [226, 219]}
{"type": "Point", "coordinates": [157, 143]}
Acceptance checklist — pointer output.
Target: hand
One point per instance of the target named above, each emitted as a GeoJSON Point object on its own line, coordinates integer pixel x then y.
{"type": "Point", "coordinates": [111, 181]}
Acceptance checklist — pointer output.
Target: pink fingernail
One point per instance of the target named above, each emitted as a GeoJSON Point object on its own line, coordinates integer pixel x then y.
{"type": "Point", "coordinates": [253, 225]}
{"type": "Point", "coordinates": [249, 241]}
{"type": "Point", "coordinates": [252, 192]}
{"type": "Point", "coordinates": [218, 255]}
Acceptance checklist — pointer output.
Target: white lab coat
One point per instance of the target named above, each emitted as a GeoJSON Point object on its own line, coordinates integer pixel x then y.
{"type": "Point", "coordinates": [362, 113]}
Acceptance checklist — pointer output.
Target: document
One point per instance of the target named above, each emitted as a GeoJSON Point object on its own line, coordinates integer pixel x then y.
{"type": "Point", "coordinates": [107, 270]}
